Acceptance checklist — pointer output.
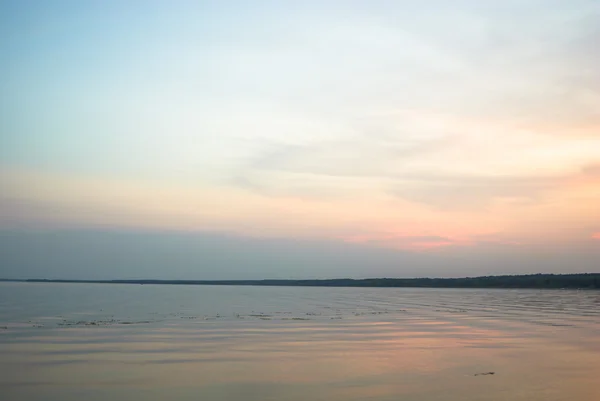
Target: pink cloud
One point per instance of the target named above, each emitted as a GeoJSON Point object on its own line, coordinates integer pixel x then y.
{"type": "Point", "coordinates": [406, 242]}
{"type": "Point", "coordinates": [596, 235]}
{"type": "Point", "coordinates": [422, 243]}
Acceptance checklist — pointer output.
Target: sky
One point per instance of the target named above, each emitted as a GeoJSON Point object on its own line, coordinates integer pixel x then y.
{"type": "Point", "coordinates": [270, 139]}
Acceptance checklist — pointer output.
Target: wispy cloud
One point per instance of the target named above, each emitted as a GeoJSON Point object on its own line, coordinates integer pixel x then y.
{"type": "Point", "coordinates": [436, 159]}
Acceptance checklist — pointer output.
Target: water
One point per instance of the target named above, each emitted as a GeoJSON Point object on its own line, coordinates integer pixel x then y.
{"type": "Point", "coordinates": [151, 342]}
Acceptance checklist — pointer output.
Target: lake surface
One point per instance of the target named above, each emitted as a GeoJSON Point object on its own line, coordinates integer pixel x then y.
{"type": "Point", "coordinates": [160, 342]}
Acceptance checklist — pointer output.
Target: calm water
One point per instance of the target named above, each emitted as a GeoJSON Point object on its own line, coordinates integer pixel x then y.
{"type": "Point", "coordinates": [132, 342]}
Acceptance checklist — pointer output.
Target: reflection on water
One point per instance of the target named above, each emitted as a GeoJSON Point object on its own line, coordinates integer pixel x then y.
{"type": "Point", "coordinates": [130, 342]}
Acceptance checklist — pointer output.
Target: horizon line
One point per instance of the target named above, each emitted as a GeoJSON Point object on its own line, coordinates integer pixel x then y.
{"type": "Point", "coordinates": [535, 280]}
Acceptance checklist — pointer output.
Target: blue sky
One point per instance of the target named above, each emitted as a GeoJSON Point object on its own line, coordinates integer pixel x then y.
{"type": "Point", "coordinates": [455, 128]}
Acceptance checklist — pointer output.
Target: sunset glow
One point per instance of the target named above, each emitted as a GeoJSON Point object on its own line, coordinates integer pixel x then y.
{"type": "Point", "coordinates": [473, 130]}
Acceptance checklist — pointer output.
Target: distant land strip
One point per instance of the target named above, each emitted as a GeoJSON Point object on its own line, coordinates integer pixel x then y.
{"type": "Point", "coordinates": [549, 281]}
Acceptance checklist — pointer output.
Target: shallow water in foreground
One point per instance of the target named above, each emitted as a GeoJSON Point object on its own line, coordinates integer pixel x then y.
{"type": "Point", "coordinates": [159, 342]}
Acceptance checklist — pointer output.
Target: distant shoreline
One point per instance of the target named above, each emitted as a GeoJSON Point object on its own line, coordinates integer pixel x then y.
{"type": "Point", "coordinates": [532, 281]}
